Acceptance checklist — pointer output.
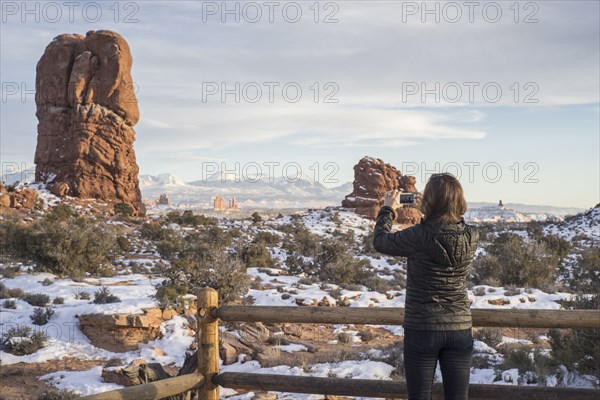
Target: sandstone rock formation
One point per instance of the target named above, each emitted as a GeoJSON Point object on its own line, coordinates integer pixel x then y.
{"type": "Point", "coordinates": [163, 200]}
{"type": "Point", "coordinates": [123, 332]}
{"type": "Point", "coordinates": [219, 204]}
{"type": "Point", "coordinates": [12, 197]}
{"type": "Point", "coordinates": [372, 179]}
{"type": "Point", "coordinates": [86, 107]}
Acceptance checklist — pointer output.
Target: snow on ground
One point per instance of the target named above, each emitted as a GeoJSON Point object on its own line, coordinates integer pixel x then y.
{"type": "Point", "coordinates": [84, 382]}
{"type": "Point", "coordinates": [356, 369]}
{"type": "Point", "coordinates": [135, 291]}
{"type": "Point", "coordinates": [66, 339]}
{"type": "Point", "coordinates": [171, 348]}
{"type": "Point", "coordinates": [584, 224]}
{"type": "Point", "coordinates": [292, 347]}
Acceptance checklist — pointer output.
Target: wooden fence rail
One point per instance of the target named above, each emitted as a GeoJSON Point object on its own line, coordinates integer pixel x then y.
{"type": "Point", "coordinates": [153, 390]}
{"type": "Point", "coordinates": [208, 379]}
{"type": "Point", "coordinates": [514, 318]}
{"type": "Point", "coordinates": [390, 389]}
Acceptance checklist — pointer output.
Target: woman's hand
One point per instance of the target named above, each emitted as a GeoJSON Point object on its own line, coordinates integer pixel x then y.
{"type": "Point", "coordinates": [392, 199]}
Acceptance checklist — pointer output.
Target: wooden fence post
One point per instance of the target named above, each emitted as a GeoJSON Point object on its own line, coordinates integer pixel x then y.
{"type": "Point", "coordinates": [208, 343]}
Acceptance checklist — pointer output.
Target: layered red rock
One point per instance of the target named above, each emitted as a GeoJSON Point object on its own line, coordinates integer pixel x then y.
{"type": "Point", "coordinates": [14, 197]}
{"type": "Point", "coordinates": [86, 107]}
{"type": "Point", "coordinates": [372, 179]}
{"type": "Point", "coordinates": [219, 203]}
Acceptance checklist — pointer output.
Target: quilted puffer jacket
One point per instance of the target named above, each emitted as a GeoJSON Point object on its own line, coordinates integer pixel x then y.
{"type": "Point", "coordinates": [439, 256]}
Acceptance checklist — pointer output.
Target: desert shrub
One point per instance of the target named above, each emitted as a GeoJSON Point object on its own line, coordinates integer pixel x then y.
{"type": "Point", "coordinates": [10, 304]}
{"type": "Point", "coordinates": [173, 217]}
{"type": "Point", "coordinates": [37, 299]}
{"type": "Point", "coordinates": [61, 212]}
{"type": "Point", "coordinates": [538, 362]}
{"type": "Point", "coordinates": [347, 236]}
{"type": "Point", "coordinates": [557, 245]}
{"type": "Point", "coordinates": [114, 362]}
{"type": "Point", "coordinates": [378, 284]}
{"type": "Point", "coordinates": [168, 293]}
{"type": "Point", "coordinates": [485, 231]}
{"type": "Point", "coordinates": [47, 282]}
{"type": "Point", "coordinates": [400, 279]}
{"type": "Point", "coordinates": [217, 236]}
{"type": "Point", "coordinates": [82, 295]}
{"type": "Point", "coordinates": [124, 210]}
{"type": "Point", "coordinates": [366, 336]}
{"type": "Point", "coordinates": [268, 238]}
{"type": "Point", "coordinates": [336, 265]}
{"type": "Point", "coordinates": [579, 349]}
{"type": "Point", "coordinates": [307, 281]}
{"type": "Point", "coordinates": [169, 247]}
{"type": "Point", "coordinates": [585, 274]}
{"type": "Point", "coordinates": [512, 290]}
{"type": "Point", "coordinates": [14, 237]}
{"type": "Point", "coordinates": [189, 218]}
{"type": "Point", "coordinates": [201, 263]}
{"type": "Point", "coordinates": [21, 340]}
{"type": "Point", "coordinates": [41, 315]}
{"type": "Point", "coordinates": [63, 394]}
{"type": "Point", "coordinates": [277, 341]}
{"type": "Point", "coordinates": [71, 247]}
{"type": "Point", "coordinates": [155, 232]}
{"type": "Point", "coordinates": [124, 244]}
{"type": "Point", "coordinates": [256, 217]}
{"type": "Point", "coordinates": [297, 265]}
{"type": "Point", "coordinates": [104, 296]}
{"type": "Point", "coordinates": [10, 272]}
{"type": "Point", "coordinates": [6, 293]}
{"type": "Point", "coordinates": [510, 260]}
{"type": "Point", "coordinates": [479, 291]}
{"type": "Point", "coordinates": [58, 300]}
{"type": "Point", "coordinates": [301, 241]}
{"type": "Point", "coordinates": [490, 336]}
{"type": "Point", "coordinates": [257, 255]}
{"type": "Point", "coordinates": [345, 337]}
{"type": "Point", "coordinates": [366, 243]}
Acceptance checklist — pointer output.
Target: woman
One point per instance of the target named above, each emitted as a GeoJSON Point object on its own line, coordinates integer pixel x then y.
{"type": "Point", "coordinates": [437, 321]}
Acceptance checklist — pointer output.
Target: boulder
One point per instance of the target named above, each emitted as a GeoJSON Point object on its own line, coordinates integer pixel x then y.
{"type": "Point", "coordinates": [60, 189]}
{"type": "Point", "coordinates": [123, 332]}
{"type": "Point", "coordinates": [18, 197]}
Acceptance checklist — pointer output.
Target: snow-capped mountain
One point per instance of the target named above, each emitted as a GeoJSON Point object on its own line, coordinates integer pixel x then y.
{"type": "Point", "coordinates": [147, 181]}
{"type": "Point", "coordinates": [250, 192]}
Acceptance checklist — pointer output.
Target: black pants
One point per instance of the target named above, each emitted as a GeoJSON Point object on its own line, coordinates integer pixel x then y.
{"type": "Point", "coordinates": [422, 350]}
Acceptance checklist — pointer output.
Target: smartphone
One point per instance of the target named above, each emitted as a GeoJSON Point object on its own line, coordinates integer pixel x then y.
{"type": "Point", "coordinates": [407, 198]}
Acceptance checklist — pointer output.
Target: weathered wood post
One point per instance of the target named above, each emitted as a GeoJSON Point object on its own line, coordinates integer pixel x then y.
{"type": "Point", "coordinates": [208, 343]}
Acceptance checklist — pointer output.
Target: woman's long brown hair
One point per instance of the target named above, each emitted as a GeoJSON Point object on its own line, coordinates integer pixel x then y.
{"type": "Point", "coordinates": [443, 199]}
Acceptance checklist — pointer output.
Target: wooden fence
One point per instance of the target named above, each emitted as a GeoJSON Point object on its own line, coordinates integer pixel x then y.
{"type": "Point", "coordinates": [208, 379]}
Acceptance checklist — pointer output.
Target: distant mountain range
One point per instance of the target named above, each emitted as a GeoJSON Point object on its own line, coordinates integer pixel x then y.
{"type": "Point", "coordinates": [266, 192]}
{"type": "Point", "coordinates": [277, 192]}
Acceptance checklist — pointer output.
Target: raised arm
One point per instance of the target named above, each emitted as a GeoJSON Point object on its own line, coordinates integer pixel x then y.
{"type": "Point", "coordinates": [402, 243]}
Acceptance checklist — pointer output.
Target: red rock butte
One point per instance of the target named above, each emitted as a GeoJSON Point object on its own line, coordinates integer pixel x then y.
{"type": "Point", "coordinates": [86, 107]}
{"type": "Point", "coordinates": [372, 179]}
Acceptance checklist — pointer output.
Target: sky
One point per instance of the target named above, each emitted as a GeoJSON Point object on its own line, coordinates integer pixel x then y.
{"type": "Point", "coordinates": [504, 94]}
